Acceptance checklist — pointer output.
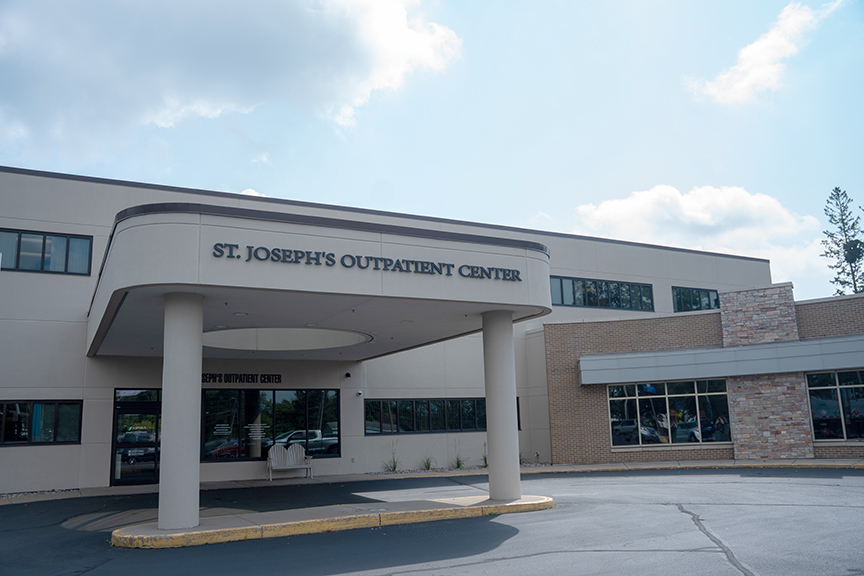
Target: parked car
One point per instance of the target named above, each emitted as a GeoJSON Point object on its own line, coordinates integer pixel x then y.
{"type": "Point", "coordinates": [312, 440]}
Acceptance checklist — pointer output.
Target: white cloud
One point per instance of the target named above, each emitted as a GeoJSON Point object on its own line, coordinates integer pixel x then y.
{"type": "Point", "coordinates": [759, 68]}
{"type": "Point", "coordinates": [541, 220]}
{"type": "Point", "coordinates": [729, 220]}
{"type": "Point", "coordinates": [251, 192]}
{"type": "Point", "coordinates": [174, 110]}
{"type": "Point", "coordinates": [76, 75]}
{"type": "Point", "coordinates": [263, 158]}
{"type": "Point", "coordinates": [400, 46]}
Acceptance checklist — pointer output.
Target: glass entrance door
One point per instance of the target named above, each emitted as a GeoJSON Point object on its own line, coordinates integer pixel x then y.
{"type": "Point", "coordinates": [137, 430]}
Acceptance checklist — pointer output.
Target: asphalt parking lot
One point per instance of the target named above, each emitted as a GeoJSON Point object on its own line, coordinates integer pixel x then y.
{"type": "Point", "coordinates": [759, 521]}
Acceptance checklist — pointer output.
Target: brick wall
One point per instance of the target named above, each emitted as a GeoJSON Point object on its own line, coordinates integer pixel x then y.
{"type": "Point", "coordinates": [836, 317]}
{"type": "Point", "coordinates": [841, 316]}
{"type": "Point", "coordinates": [769, 413]}
{"type": "Point", "coordinates": [758, 316]}
{"type": "Point", "coordinates": [770, 416]}
{"type": "Point", "coordinates": [579, 415]}
{"type": "Point", "coordinates": [838, 451]}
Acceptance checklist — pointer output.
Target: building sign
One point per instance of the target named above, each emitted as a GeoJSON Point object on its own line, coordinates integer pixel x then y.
{"type": "Point", "coordinates": [330, 259]}
{"type": "Point", "coordinates": [228, 378]}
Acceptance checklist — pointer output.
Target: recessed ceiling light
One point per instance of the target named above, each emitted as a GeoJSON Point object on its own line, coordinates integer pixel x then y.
{"type": "Point", "coordinates": [240, 314]}
{"type": "Point", "coordinates": [407, 321]}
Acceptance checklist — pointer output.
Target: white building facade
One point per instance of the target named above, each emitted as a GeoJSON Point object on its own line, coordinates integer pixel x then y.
{"type": "Point", "coordinates": [152, 332]}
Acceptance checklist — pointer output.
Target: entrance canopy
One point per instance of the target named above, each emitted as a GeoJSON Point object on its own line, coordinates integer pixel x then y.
{"type": "Point", "coordinates": [293, 286]}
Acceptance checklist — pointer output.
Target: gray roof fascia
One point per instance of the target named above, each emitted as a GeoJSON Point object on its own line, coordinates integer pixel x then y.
{"type": "Point", "coordinates": [810, 355]}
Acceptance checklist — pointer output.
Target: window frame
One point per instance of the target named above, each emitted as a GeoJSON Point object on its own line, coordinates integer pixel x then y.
{"type": "Point", "coordinates": [666, 395]}
{"type": "Point", "coordinates": [242, 424]}
{"type": "Point", "coordinates": [593, 291]}
{"type": "Point", "coordinates": [428, 414]}
{"type": "Point", "coordinates": [56, 424]}
{"type": "Point", "coordinates": [693, 296]}
{"type": "Point", "coordinates": [836, 387]}
{"type": "Point", "coordinates": [42, 264]}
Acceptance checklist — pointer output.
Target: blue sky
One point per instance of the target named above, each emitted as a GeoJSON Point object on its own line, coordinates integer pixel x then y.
{"type": "Point", "coordinates": [716, 125]}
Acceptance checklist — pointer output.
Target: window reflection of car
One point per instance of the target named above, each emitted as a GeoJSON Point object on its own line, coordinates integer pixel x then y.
{"type": "Point", "coordinates": [688, 432]}
{"type": "Point", "coordinates": [136, 437]}
{"type": "Point", "coordinates": [624, 427]}
{"type": "Point", "coordinates": [229, 449]}
{"type": "Point", "coordinates": [312, 440]}
{"type": "Point", "coordinates": [210, 445]}
{"type": "Point", "coordinates": [649, 435]}
{"type": "Point", "coordinates": [133, 455]}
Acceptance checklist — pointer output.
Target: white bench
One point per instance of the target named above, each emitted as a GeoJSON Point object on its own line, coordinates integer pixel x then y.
{"type": "Point", "coordinates": [280, 458]}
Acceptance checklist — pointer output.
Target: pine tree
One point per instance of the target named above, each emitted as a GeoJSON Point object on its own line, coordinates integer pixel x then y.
{"type": "Point", "coordinates": [843, 244]}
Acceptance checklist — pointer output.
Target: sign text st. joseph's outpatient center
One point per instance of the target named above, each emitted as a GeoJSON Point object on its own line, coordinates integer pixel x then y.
{"type": "Point", "coordinates": [264, 254]}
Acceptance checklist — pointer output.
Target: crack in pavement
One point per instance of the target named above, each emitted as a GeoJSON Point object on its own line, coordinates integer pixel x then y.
{"type": "Point", "coordinates": [93, 567]}
{"type": "Point", "coordinates": [730, 556]}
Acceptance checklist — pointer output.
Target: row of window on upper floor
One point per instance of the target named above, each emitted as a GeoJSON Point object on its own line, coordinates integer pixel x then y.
{"type": "Point", "coordinates": [29, 251]}
{"type": "Point", "coordinates": [69, 254]}
{"type": "Point", "coordinates": [690, 299]}
{"type": "Point", "coordinates": [601, 294]}
{"type": "Point", "coordinates": [593, 293]}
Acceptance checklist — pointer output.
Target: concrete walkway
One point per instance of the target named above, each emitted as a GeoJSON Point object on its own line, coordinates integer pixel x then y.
{"type": "Point", "coordinates": [393, 507]}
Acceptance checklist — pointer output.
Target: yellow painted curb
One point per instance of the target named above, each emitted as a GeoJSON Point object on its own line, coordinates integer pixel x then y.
{"type": "Point", "coordinates": [128, 538]}
{"type": "Point", "coordinates": [183, 539]}
{"type": "Point", "coordinates": [318, 526]}
{"type": "Point", "coordinates": [545, 504]}
{"type": "Point", "coordinates": [417, 516]}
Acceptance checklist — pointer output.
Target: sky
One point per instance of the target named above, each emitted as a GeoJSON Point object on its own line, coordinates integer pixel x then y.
{"type": "Point", "coordinates": [713, 125]}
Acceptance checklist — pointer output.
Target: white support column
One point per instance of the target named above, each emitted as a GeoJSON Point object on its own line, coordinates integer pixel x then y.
{"type": "Point", "coordinates": [179, 475]}
{"type": "Point", "coordinates": [502, 435]}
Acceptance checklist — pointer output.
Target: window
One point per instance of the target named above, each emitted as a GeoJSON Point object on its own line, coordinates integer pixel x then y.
{"type": "Point", "coordinates": [45, 252]}
{"type": "Point", "coordinates": [424, 416]}
{"type": "Point", "coordinates": [690, 299]}
{"type": "Point", "coordinates": [669, 413]}
{"type": "Point", "coordinates": [601, 294]}
{"type": "Point", "coordinates": [244, 424]}
{"type": "Point", "coordinates": [40, 422]}
{"type": "Point", "coordinates": [837, 405]}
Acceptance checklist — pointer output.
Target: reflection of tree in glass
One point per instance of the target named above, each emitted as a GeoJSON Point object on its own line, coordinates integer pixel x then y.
{"type": "Point", "coordinates": [133, 423]}
{"type": "Point", "coordinates": [257, 421]}
{"type": "Point", "coordinates": [221, 419]}
{"type": "Point", "coordinates": [290, 411]}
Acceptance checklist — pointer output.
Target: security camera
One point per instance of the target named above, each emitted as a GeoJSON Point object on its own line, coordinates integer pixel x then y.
{"type": "Point", "coordinates": [359, 393]}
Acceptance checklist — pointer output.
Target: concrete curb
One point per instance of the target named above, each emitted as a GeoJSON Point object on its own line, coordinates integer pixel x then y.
{"type": "Point", "coordinates": [210, 532]}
